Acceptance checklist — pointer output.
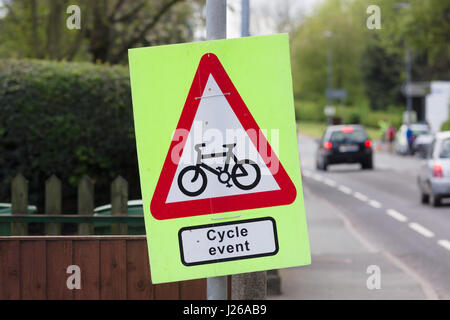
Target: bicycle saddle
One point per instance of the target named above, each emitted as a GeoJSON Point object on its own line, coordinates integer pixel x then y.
{"type": "Point", "coordinates": [232, 145]}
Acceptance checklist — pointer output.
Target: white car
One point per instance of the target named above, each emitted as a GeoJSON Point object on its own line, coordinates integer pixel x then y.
{"type": "Point", "coordinates": [434, 174]}
{"type": "Point", "coordinates": [401, 142]}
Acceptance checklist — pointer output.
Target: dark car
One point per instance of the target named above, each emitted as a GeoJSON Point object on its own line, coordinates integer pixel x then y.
{"type": "Point", "coordinates": [344, 144]}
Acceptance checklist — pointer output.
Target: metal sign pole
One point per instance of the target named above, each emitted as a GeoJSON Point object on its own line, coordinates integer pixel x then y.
{"type": "Point", "coordinates": [245, 18]}
{"type": "Point", "coordinates": [248, 286]}
{"type": "Point", "coordinates": [251, 285]}
{"type": "Point", "coordinates": [216, 19]}
{"type": "Point", "coordinates": [216, 28]}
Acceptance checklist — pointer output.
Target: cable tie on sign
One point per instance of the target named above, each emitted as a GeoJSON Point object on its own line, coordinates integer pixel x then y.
{"type": "Point", "coordinates": [223, 218]}
{"type": "Point", "coordinates": [214, 95]}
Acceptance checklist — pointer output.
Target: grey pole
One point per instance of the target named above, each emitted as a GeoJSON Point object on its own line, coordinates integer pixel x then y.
{"type": "Point", "coordinates": [245, 18]}
{"type": "Point", "coordinates": [216, 19]}
{"type": "Point", "coordinates": [248, 286]}
{"type": "Point", "coordinates": [328, 34]}
{"type": "Point", "coordinates": [402, 6]}
{"type": "Point", "coordinates": [216, 28]}
{"type": "Point", "coordinates": [408, 83]}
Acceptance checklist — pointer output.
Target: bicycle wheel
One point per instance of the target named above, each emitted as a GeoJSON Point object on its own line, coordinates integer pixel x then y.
{"type": "Point", "coordinates": [249, 175]}
{"type": "Point", "coordinates": [192, 181]}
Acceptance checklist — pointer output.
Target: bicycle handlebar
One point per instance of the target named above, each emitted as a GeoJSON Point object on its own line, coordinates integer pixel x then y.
{"type": "Point", "coordinates": [202, 145]}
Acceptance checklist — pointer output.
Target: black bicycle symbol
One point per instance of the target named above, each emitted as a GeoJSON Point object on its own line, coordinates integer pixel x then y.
{"type": "Point", "coordinates": [240, 170]}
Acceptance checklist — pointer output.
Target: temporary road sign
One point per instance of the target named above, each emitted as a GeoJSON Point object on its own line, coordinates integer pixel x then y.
{"type": "Point", "coordinates": [218, 160]}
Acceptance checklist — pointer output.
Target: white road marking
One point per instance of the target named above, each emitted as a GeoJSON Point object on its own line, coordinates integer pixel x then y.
{"type": "Point", "coordinates": [375, 204]}
{"type": "Point", "coordinates": [360, 196]}
{"type": "Point", "coordinates": [445, 244]}
{"type": "Point", "coordinates": [396, 215]}
{"type": "Point", "coordinates": [330, 182]}
{"type": "Point", "coordinates": [345, 189]}
{"type": "Point", "coordinates": [421, 229]}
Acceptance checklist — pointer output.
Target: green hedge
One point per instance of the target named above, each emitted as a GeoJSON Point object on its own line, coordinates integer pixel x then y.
{"type": "Point", "coordinates": [68, 119]}
{"type": "Point", "coordinates": [446, 126]}
{"type": "Point", "coordinates": [311, 111]}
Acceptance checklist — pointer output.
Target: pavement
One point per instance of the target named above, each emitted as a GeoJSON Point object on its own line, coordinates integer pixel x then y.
{"type": "Point", "coordinates": [357, 219]}
{"type": "Point", "coordinates": [340, 258]}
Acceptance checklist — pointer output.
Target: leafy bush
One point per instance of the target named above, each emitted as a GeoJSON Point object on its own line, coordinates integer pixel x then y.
{"type": "Point", "coordinates": [311, 111]}
{"type": "Point", "coordinates": [446, 126]}
{"type": "Point", "coordinates": [68, 119]}
{"type": "Point", "coordinates": [353, 117]}
{"type": "Point", "coordinates": [370, 118]}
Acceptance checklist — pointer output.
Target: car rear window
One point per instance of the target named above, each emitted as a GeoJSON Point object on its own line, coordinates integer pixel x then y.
{"type": "Point", "coordinates": [445, 149]}
{"type": "Point", "coordinates": [355, 136]}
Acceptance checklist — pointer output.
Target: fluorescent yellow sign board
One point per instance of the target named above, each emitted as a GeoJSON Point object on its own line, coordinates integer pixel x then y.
{"type": "Point", "coordinates": [218, 160]}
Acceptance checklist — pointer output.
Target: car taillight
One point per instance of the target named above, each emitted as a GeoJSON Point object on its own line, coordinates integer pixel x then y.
{"type": "Point", "coordinates": [437, 171]}
{"type": "Point", "coordinates": [368, 143]}
{"type": "Point", "coordinates": [328, 145]}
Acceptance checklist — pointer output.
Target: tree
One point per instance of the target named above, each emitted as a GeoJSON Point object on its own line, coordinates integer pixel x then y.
{"type": "Point", "coordinates": [310, 50]}
{"type": "Point", "coordinates": [370, 63]}
{"type": "Point", "coordinates": [382, 74]}
{"type": "Point", "coordinates": [37, 29]}
{"type": "Point", "coordinates": [423, 26]}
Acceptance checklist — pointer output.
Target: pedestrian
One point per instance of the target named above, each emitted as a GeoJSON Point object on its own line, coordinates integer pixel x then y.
{"type": "Point", "coordinates": [410, 140]}
{"type": "Point", "coordinates": [383, 124]}
{"type": "Point", "coordinates": [390, 135]}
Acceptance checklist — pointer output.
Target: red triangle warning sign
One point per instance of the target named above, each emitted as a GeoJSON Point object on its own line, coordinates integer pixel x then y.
{"type": "Point", "coordinates": [219, 159]}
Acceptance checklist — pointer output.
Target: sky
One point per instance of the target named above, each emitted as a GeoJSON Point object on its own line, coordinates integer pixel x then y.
{"type": "Point", "coordinates": [263, 14]}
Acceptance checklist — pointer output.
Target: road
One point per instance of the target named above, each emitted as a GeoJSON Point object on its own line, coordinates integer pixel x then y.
{"type": "Point", "coordinates": [383, 206]}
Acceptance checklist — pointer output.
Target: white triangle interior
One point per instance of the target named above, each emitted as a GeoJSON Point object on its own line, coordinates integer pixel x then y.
{"type": "Point", "coordinates": [216, 124]}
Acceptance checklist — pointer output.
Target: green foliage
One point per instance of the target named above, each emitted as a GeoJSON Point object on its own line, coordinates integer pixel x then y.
{"type": "Point", "coordinates": [37, 28]}
{"type": "Point", "coordinates": [424, 27]}
{"type": "Point", "coordinates": [371, 118]}
{"type": "Point", "coordinates": [446, 126]}
{"type": "Point", "coordinates": [310, 111]}
{"type": "Point", "coordinates": [370, 64]}
{"type": "Point", "coordinates": [352, 117]}
{"type": "Point", "coordinates": [311, 46]}
{"type": "Point", "coordinates": [69, 119]}
{"type": "Point", "coordinates": [382, 74]}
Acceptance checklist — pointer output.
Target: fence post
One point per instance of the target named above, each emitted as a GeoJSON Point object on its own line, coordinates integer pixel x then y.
{"type": "Point", "coordinates": [273, 282]}
{"type": "Point", "coordinates": [53, 199]}
{"type": "Point", "coordinates": [119, 205]}
{"type": "Point", "coordinates": [249, 286]}
{"type": "Point", "coordinates": [19, 204]}
{"type": "Point", "coordinates": [86, 204]}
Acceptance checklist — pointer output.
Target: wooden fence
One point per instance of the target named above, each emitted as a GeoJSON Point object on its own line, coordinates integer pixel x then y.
{"type": "Point", "coordinates": [17, 222]}
{"type": "Point", "coordinates": [112, 267]}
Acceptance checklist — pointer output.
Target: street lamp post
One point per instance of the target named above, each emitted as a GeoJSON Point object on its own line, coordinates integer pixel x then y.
{"type": "Point", "coordinates": [403, 6]}
{"type": "Point", "coordinates": [408, 82]}
{"type": "Point", "coordinates": [328, 35]}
